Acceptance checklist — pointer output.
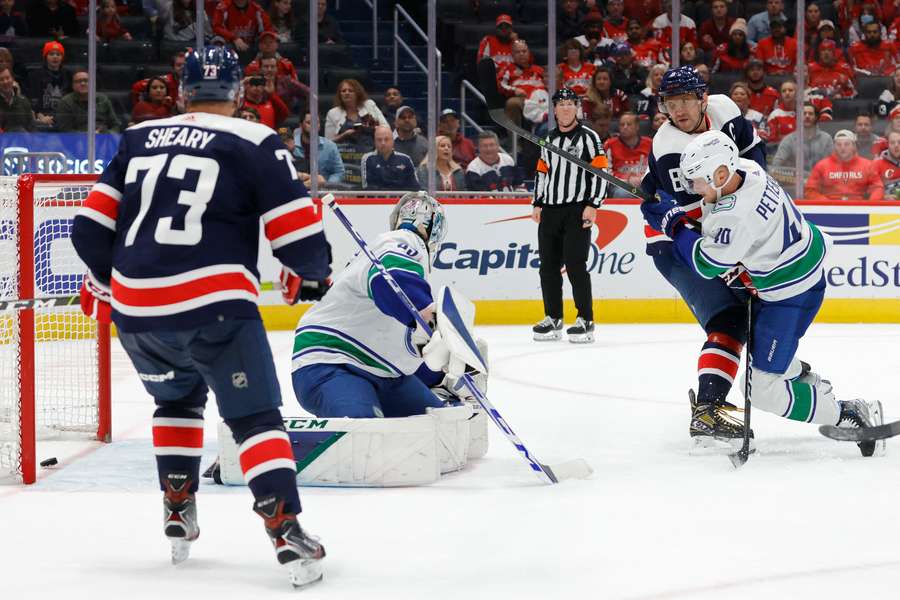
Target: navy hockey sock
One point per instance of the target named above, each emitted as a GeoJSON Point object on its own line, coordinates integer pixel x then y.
{"type": "Point", "coordinates": [266, 457]}
{"type": "Point", "coordinates": [178, 442]}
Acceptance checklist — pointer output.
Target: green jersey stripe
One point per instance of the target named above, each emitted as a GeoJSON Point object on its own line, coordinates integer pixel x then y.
{"type": "Point", "coordinates": [802, 401]}
{"type": "Point", "coordinates": [799, 268]}
{"type": "Point", "coordinates": [310, 340]}
{"type": "Point", "coordinates": [703, 266]}
{"type": "Point", "coordinates": [393, 261]}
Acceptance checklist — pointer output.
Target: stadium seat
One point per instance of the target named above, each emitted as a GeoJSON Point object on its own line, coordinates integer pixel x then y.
{"type": "Point", "coordinates": [334, 76]}
{"type": "Point", "coordinates": [489, 9]}
{"type": "Point", "coordinates": [121, 100]}
{"type": "Point", "coordinates": [848, 109]}
{"type": "Point", "coordinates": [337, 55]}
{"type": "Point", "coordinates": [871, 87]}
{"type": "Point", "coordinates": [25, 49]}
{"type": "Point", "coordinates": [122, 51]}
{"type": "Point", "coordinates": [117, 77]}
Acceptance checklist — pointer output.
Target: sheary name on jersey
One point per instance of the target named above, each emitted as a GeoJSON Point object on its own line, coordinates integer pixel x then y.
{"type": "Point", "coordinates": [760, 227]}
{"type": "Point", "coordinates": [188, 137]}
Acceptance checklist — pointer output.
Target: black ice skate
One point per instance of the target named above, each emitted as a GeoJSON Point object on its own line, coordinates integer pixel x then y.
{"type": "Point", "coordinates": [548, 330]}
{"type": "Point", "coordinates": [300, 553]}
{"type": "Point", "coordinates": [862, 413]}
{"type": "Point", "coordinates": [179, 515]}
{"type": "Point", "coordinates": [582, 332]}
{"type": "Point", "coordinates": [716, 425]}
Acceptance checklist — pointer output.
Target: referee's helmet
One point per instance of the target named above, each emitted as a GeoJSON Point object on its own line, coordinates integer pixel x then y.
{"type": "Point", "coordinates": [565, 94]}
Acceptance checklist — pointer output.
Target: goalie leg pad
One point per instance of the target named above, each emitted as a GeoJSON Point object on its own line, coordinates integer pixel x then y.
{"type": "Point", "coordinates": [478, 433]}
{"type": "Point", "coordinates": [344, 452]}
{"type": "Point", "coordinates": [453, 426]}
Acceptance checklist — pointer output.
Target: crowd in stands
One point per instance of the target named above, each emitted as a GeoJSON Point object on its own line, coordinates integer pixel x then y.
{"type": "Point", "coordinates": [612, 54]}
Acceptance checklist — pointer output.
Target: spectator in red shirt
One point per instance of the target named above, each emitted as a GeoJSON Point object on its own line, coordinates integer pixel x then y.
{"type": "Point", "coordinates": [271, 65]}
{"type": "Point", "coordinates": [260, 95]}
{"type": "Point", "coordinates": [615, 26]}
{"type": "Point", "coordinates": [740, 95]}
{"type": "Point", "coordinates": [109, 27]}
{"type": "Point", "coordinates": [714, 32]}
{"type": "Point", "coordinates": [498, 46]}
{"type": "Point", "coordinates": [628, 153]}
{"type": "Point", "coordinates": [887, 167]}
{"type": "Point", "coordinates": [240, 22]}
{"type": "Point", "coordinates": [868, 145]}
{"type": "Point", "coordinates": [762, 97]}
{"type": "Point", "coordinates": [827, 31]}
{"type": "Point", "coordinates": [778, 52]}
{"type": "Point", "coordinates": [783, 118]}
{"type": "Point", "coordinates": [463, 147]}
{"type": "Point", "coordinates": [574, 73]}
{"type": "Point", "coordinates": [734, 55]}
{"type": "Point", "coordinates": [662, 27]}
{"type": "Point", "coordinates": [835, 78]}
{"type": "Point", "coordinates": [602, 92]}
{"type": "Point", "coordinates": [844, 175]}
{"type": "Point", "coordinates": [521, 81]}
{"type": "Point", "coordinates": [268, 48]}
{"type": "Point", "coordinates": [872, 55]}
{"type": "Point", "coordinates": [647, 51]}
{"type": "Point", "coordinates": [155, 102]}
{"type": "Point", "coordinates": [173, 84]}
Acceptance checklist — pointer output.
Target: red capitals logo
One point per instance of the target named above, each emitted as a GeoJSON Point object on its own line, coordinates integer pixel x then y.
{"type": "Point", "coordinates": [610, 225]}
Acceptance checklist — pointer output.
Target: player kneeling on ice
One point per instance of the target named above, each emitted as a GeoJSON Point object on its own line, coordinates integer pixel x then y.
{"type": "Point", "coordinates": [752, 231]}
{"type": "Point", "coordinates": [356, 357]}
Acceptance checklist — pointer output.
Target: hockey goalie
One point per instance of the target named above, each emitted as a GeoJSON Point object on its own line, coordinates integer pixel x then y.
{"type": "Point", "coordinates": [388, 408]}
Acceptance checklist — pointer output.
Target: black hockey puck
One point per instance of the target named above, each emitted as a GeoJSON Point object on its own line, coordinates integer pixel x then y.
{"type": "Point", "coordinates": [50, 462]}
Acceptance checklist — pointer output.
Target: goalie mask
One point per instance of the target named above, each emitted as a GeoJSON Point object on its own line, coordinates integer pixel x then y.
{"type": "Point", "coordinates": [419, 212]}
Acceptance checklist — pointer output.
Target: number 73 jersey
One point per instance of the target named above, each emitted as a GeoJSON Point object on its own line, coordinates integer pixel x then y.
{"type": "Point", "coordinates": [760, 228]}
{"type": "Point", "coordinates": [173, 223]}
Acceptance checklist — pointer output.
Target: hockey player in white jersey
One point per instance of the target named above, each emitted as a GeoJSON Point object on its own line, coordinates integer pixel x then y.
{"type": "Point", "coordinates": [722, 312]}
{"type": "Point", "coordinates": [753, 229]}
{"type": "Point", "coordinates": [355, 353]}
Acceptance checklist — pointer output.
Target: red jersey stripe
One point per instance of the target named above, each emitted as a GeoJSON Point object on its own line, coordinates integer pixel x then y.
{"type": "Point", "coordinates": [179, 293]}
{"type": "Point", "coordinates": [292, 221]}
{"type": "Point", "coordinates": [103, 203]}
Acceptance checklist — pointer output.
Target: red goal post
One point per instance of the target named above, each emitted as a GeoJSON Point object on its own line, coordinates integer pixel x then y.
{"type": "Point", "coordinates": [54, 362]}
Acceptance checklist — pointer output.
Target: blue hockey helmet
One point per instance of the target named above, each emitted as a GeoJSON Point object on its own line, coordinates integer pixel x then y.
{"type": "Point", "coordinates": [211, 75]}
{"type": "Point", "coordinates": [682, 80]}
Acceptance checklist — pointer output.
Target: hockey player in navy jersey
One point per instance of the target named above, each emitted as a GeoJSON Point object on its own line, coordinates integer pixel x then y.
{"type": "Point", "coordinates": [170, 237]}
{"type": "Point", "coordinates": [720, 310]}
{"type": "Point", "coordinates": [752, 228]}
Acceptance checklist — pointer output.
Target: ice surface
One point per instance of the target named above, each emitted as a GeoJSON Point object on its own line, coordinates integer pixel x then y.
{"type": "Point", "coordinates": [805, 518]}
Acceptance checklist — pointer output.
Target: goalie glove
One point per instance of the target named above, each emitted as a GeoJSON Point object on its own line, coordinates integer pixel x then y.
{"type": "Point", "coordinates": [437, 356]}
{"type": "Point", "coordinates": [294, 288]}
{"type": "Point", "coordinates": [96, 299]}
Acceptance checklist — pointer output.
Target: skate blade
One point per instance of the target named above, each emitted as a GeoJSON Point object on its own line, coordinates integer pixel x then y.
{"type": "Point", "coordinates": [181, 550]}
{"type": "Point", "coordinates": [583, 338]}
{"type": "Point", "coordinates": [704, 445]}
{"type": "Point", "coordinates": [305, 572]}
{"type": "Point", "coordinates": [548, 337]}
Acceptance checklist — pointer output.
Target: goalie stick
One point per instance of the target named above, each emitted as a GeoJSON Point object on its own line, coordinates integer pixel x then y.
{"type": "Point", "coordinates": [487, 80]}
{"type": "Point", "coordinates": [860, 434]}
{"type": "Point", "coordinates": [576, 468]}
{"type": "Point", "coordinates": [27, 303]}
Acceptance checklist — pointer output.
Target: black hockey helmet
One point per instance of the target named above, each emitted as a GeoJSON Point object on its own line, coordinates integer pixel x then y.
{"type": "Point", "coordinates": [565, 94]}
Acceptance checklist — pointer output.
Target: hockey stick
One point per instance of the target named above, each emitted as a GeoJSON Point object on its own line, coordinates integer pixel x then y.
{"type": "Point", "coordinates": [29, 303]}
{"type": "Point", "coordinates": [487, 80]}
{"type": "Point", "coordinates": [740, 457]}
{"type": "Point", "coordinates": [577, 468]}
{"type": "Point", "coordinates": [860, 434]}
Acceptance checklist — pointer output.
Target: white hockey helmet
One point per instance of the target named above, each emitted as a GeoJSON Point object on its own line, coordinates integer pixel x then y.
{"type": "Point", "coordinates": [422, 213]}
{"type": "Point", "coordinates": [704, 155]}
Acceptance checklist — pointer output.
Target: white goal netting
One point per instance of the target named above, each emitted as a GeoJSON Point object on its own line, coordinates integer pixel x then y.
{"type": "Point", "coordinates": [50, 358]}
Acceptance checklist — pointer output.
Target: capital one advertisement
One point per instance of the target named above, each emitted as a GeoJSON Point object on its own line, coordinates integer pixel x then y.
{"type": "Point", "coordinates": [491, 253]}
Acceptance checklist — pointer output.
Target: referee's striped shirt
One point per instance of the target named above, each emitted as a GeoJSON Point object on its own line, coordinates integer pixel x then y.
{"type": "Point", "coordinates": [558, 181]}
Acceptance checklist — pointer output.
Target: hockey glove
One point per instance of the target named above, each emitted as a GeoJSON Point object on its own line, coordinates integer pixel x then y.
{"type": "Point", "coordinates": [665, 215]}
{"type": "Point", "coordinates": [294, 288]}
{"type": "Point", "coordinates": [96, 299]}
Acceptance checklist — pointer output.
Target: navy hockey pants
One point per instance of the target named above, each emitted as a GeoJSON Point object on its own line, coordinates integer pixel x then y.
{"type": "Point", "coordinates": [327, 390]}
{"type": "Point", "coordinates": [705, 297]}
{"type": "Point", "coordinates": [231, 357]}
{"type": "Point", "coordinates": [778, 327]}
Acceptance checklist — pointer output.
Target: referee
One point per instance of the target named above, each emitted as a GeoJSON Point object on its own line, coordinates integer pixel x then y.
{"type": "Point", "coordinates": [565, 203]}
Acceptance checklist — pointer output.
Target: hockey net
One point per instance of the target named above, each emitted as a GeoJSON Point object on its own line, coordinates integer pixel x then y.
{"type": "Point", "coordinates": [54, 362]}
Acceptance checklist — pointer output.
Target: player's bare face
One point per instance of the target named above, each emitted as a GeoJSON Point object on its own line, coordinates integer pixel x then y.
{"type": "Point", "coordinates": [894, 145]}
{"type": "Point", "coordinates": [685, 110]}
